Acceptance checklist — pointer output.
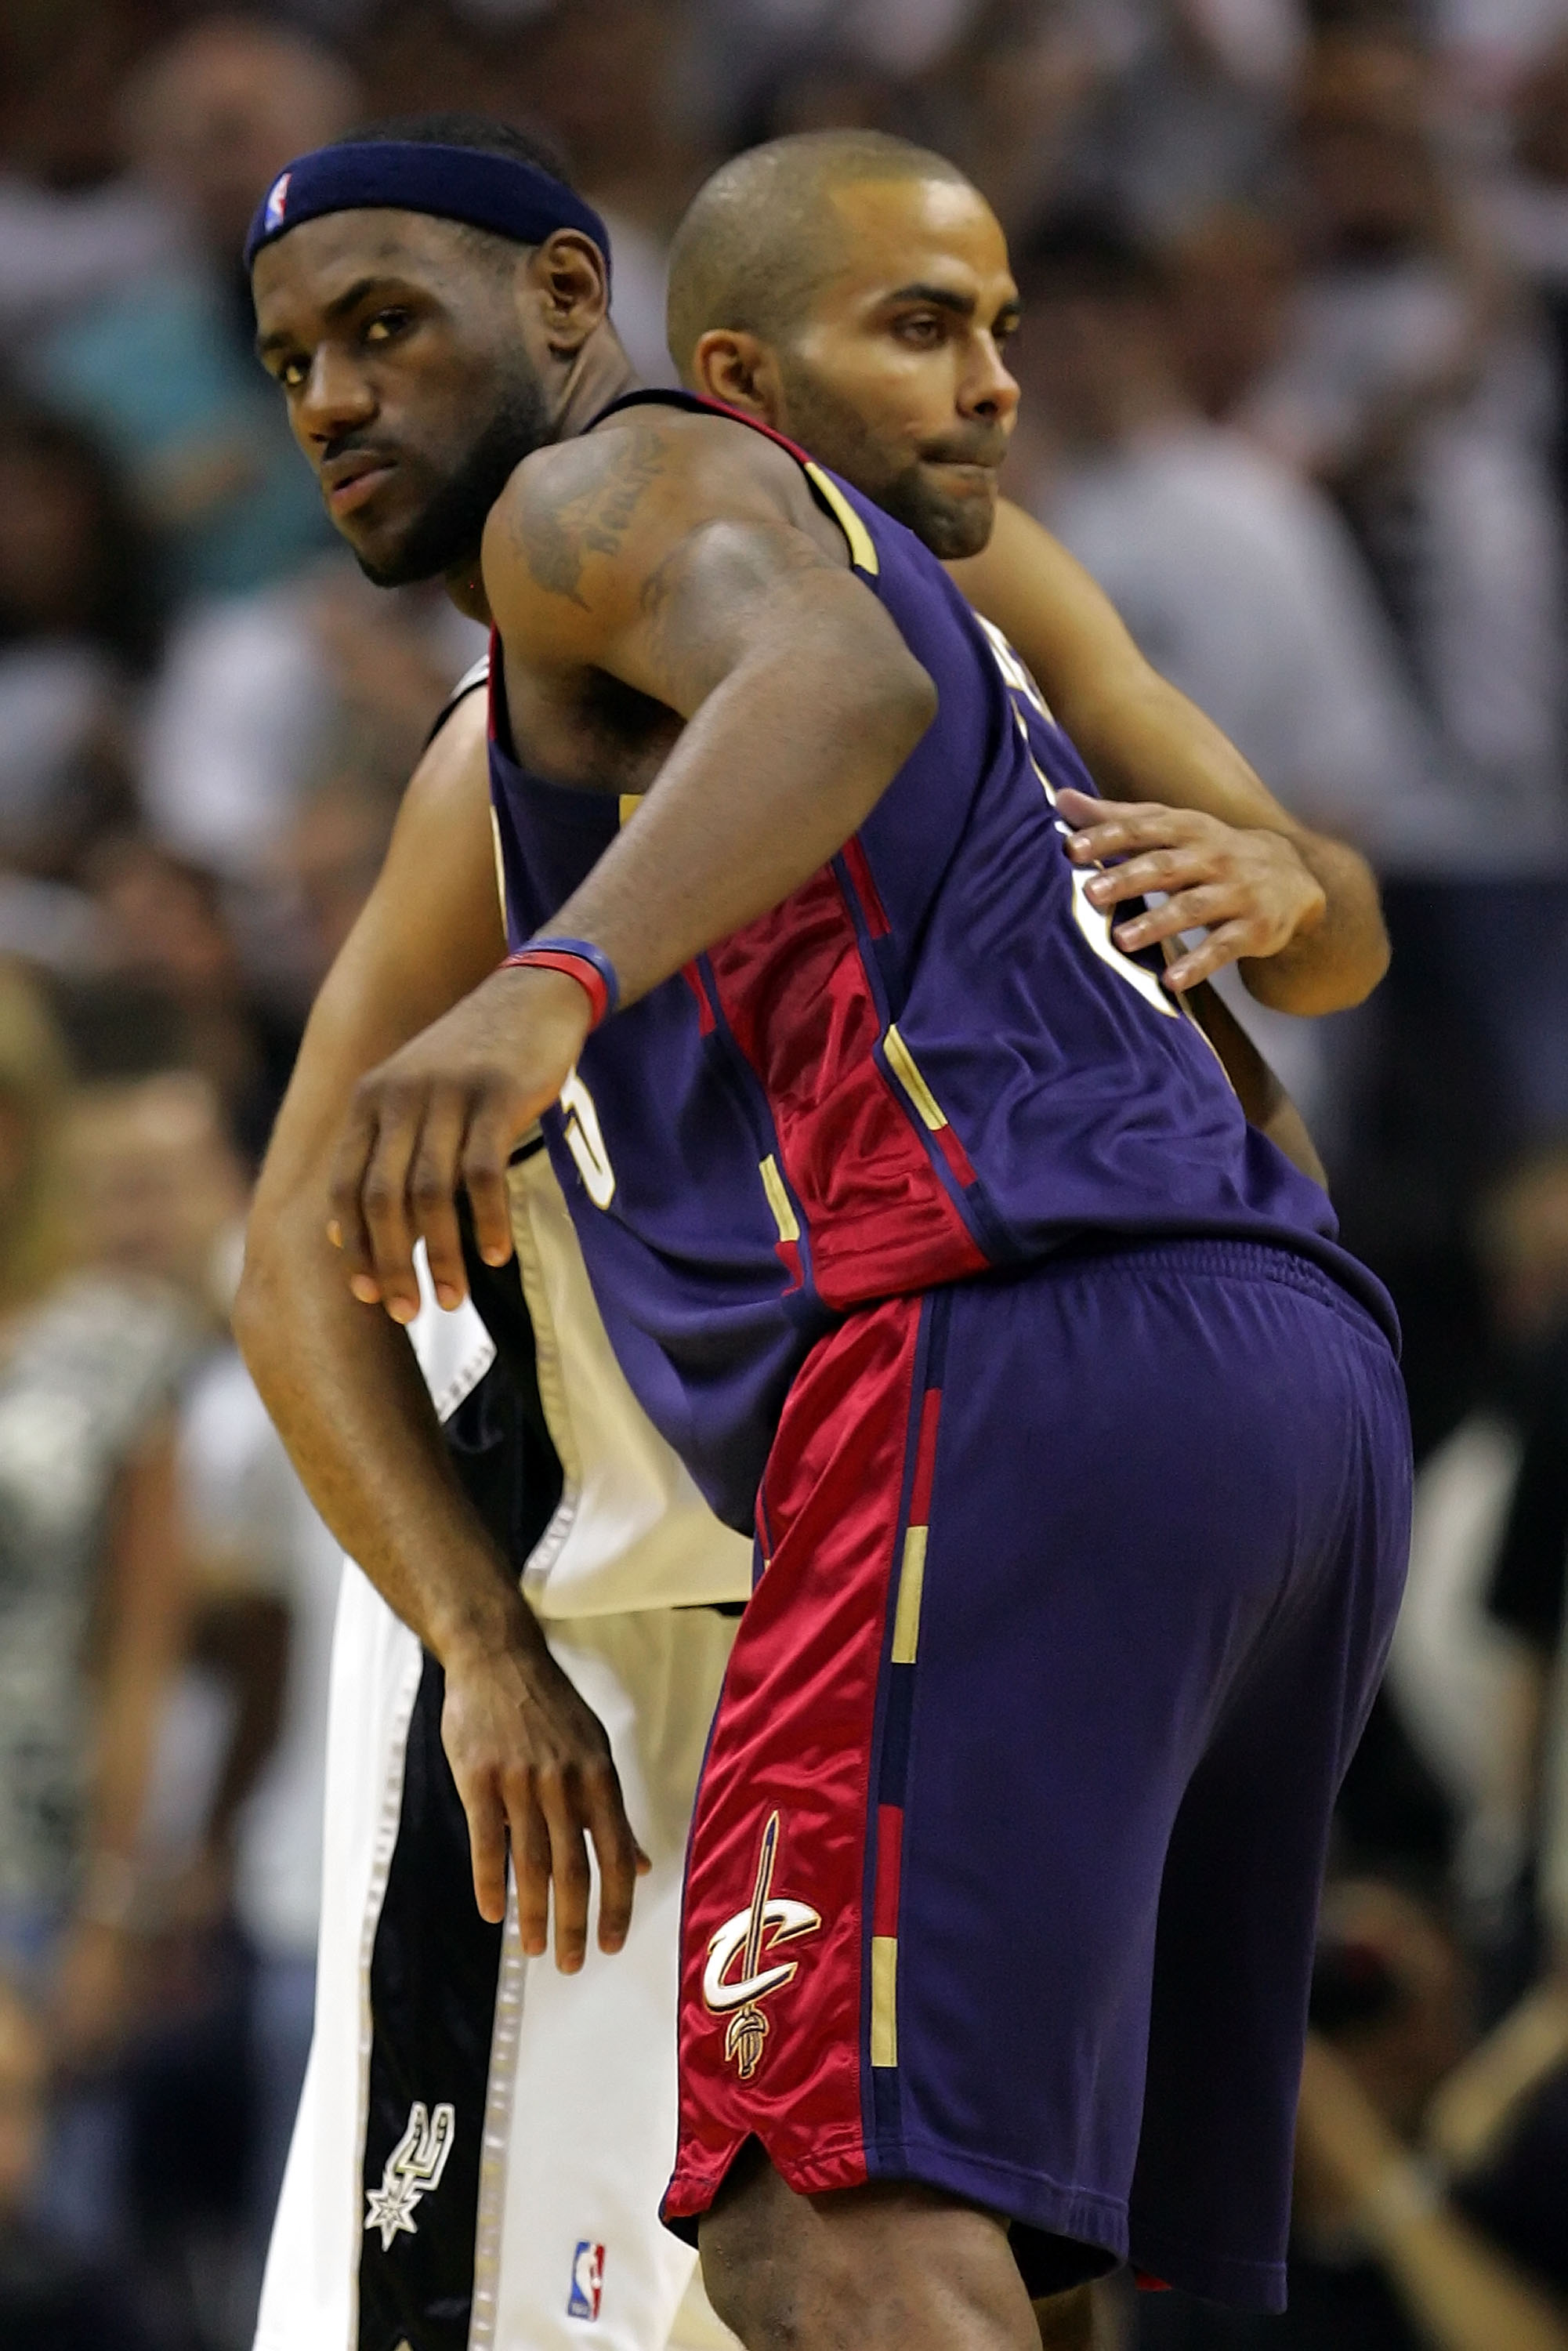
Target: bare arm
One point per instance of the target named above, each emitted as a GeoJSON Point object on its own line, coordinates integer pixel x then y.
{"type": "Point", "coordinates": [699, 587]}
{"type": "Point", "coordinates": [343, 1385]}
{"type": "Point", "coordinates": [1461, 2292]}
{"type": "Point", "coordinates": [1268, 1106]}
{"type": "Point", "coordinates": [145, 1617]}
{"type": "Point", "coordinates": [1145, 742]}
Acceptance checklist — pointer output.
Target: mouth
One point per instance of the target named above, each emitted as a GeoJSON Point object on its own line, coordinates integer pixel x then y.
{"type": "Point", "coordinates": [349, 483]}
{"type": "Point", "coordinates": [967, 474]}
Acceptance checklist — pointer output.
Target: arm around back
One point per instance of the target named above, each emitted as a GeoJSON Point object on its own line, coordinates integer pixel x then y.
{"type": "Point", "coordinates": [1145, 742]}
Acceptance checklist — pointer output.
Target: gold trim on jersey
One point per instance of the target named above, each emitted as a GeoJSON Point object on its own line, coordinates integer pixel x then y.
{"type": "Point", "coordinates": [862, 547]}
{"type": "Point", "coordinates": [778, 1199]}
{"type": "Point", "coordinates": [884, 1999]}
{"type": "Point", "coordinates": [902, 1062]}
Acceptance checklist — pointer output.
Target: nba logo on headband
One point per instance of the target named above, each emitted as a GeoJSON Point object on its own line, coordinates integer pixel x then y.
{"type": "Point", "coordinates": [277, 197]}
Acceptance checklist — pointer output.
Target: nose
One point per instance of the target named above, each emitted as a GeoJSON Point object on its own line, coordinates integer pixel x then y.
{"type": "Point", "coordinates": [338, 398]}
{"type": "Point", "coordinates": [987, 391]}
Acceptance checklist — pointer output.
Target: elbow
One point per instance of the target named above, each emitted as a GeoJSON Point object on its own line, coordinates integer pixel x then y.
{"type": "Point", "coordinates": [907, 705]}
{"type": "Point", "coordinates": [254, 1318]}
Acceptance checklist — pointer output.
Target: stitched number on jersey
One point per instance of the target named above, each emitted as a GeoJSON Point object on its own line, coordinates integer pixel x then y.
{"type": "Point", "coordinates": [585, 1141]}
{"type": "Point", "coordinates": [1094, 925]}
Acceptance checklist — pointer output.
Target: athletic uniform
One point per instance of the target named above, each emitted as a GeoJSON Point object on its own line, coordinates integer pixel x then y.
{"type": "Point", "coordinates": [482, 2143]}
{"type": "Point", "coordinates": [929, 1233]}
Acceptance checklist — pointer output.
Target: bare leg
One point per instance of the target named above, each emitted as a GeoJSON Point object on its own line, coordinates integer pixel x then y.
{"type": "Point", "coordinates": [1066, 2321]}
{"type": "Point", "coordinates": [885, 2268]}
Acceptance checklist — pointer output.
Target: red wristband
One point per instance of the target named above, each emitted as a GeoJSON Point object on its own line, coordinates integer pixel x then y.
{"type": "Point", "coordinates": [586, 972]}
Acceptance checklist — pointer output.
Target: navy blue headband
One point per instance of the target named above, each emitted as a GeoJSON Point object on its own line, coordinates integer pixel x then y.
{"type": "Point", "coordinates": [499, 192]}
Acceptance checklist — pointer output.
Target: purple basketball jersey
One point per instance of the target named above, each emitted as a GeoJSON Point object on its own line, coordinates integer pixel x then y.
{"type": "Point", "coordinates": [930, 1060]}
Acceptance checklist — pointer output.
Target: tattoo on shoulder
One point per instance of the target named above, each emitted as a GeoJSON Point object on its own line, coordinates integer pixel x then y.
{"type": "Point", "coordinates": [556, 531]}
{"type": "Point", "coordinates": [746, 558]}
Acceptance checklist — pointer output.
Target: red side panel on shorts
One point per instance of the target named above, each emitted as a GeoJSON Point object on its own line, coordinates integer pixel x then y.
{"type": "Point", "coordinates": [795, 994]}
{"type": "Point", "coordinates": [775, 1929]}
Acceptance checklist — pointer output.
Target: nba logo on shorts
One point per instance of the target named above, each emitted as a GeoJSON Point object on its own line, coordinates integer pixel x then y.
{"type": "Point", "coordinates": [277, 196]}
{"type": "Point", "coordinates": [587, 2280]}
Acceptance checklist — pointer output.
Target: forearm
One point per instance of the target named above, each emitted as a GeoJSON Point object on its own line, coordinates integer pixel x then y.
{"type": "Point", "coordinates": [769, 778]}
{"type": "Point", "coordinates": [1462, 2294]}
{"type": "Point", "coordinates": [347, 1398]}
{"type": "Point", "coordinates": [148, 1620]}
{"type": "Point", "coordinates": [1149, 742]}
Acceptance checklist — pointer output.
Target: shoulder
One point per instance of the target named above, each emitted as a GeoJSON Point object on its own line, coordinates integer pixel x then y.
{"type": "Point", "coordinates": [581, 520]}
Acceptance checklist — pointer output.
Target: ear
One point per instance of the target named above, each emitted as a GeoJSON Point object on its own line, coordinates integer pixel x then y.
{"type": "Point", "coordinates": [569, 283]}
{"type": "Point", "coordinates": [732, 365]}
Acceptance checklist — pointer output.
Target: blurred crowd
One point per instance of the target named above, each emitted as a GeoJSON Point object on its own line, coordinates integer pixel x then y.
{"type": "Point", "coordinates": [1295, 365]}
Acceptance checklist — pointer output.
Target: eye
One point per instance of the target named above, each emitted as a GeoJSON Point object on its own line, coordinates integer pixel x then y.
{"type": "Point", "coordinates": [924, 328]}
{"type": "Point", "coordinates": [290, 373]}
{"type": "Point", "coordinates": [385, 325]}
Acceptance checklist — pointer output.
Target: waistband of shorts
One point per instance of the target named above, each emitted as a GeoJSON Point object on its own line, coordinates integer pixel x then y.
{"type": "Point", "coordinates": [1227, 1257]}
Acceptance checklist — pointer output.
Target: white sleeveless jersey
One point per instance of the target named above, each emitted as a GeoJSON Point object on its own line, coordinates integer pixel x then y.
{"type": "Point", "coordinates": [563, 2091]}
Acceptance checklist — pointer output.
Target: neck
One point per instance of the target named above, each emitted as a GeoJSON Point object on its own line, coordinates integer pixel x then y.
{"type": "Point", "coordinates": [600, 373]}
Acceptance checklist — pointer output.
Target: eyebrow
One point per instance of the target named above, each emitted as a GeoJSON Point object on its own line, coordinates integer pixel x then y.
{"type": "Point", "coordinates": [339, 306]}
{"type": "Point", "coordinates": [942, 298]}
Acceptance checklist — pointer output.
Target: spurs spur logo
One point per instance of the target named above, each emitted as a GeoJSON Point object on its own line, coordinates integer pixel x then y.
{"type": "Point", "coordinates": [768, 1919]}
{"type": "Point", "coordinates": [413, 2170]}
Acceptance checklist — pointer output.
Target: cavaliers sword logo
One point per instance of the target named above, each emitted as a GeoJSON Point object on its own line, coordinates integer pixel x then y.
{"type": "Point", "coordinates": [770, 1919]}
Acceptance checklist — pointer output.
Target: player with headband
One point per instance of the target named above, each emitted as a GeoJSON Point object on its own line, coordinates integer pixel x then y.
{"type": "Point", "coordinates": [350, 461]}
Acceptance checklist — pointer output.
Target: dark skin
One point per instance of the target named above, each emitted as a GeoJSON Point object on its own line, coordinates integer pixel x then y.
{"type": "Point", "coordinates": [673, 610]}
{"type": "Point", "coordinates": [340, 1384]}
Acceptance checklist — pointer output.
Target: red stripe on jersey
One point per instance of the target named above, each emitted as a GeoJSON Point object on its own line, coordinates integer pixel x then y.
{"type": "Point", "coordinates": [924, 1459]}
{"type": "Point", "coordinates": [877, 1215]}
{"type": "Point", "coordinates": [835, 1477]}
{"type": "Point", "coordinates": [889, 1869]}
{"type": "Point", "coordinates": [954, 1153]}
{"type": "Point", "coordinates": [866, 891]}
{"type": "Point", "coordinates": [693, 976]}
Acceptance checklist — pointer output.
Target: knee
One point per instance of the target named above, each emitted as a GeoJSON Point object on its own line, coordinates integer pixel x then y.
{"type": "Point", "coordinates": [753, 2283]}
{"type": "Point", "coordinates": [1066, 2321]}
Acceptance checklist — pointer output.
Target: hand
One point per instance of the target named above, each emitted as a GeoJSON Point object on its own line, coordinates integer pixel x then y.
{"type": "Point", "coordinates": [443, 1113]}
{"type": "Point", "coordinates": [1248, 887]}
{"type": "Point", "coordinates": [532, 1764]}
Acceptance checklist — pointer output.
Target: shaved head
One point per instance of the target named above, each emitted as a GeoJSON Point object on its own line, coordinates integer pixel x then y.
{"type": "Point", "coordinates": [763, 235]}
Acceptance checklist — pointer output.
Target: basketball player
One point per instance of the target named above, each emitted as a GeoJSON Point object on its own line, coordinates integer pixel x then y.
{"type": "Point", "coordinates": [403, 955]}
{"type": "Point", "coordinates": [904, 1189]}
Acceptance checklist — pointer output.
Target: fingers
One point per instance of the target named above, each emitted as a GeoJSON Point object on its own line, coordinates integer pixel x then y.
{"type": "Point", "coordinates": [569, 1872]}
{"type": "Point", "coordinates": [1121, 831]}
{"type": "Point", "coordinates": [622, 1860]}
{"type": "Point", "coordinates": [346, 1229]}
{"type": "Point", "coordinates": [487, 1846]}
{"type": "Point", "coordinates": [1161, 868]}
{"type": "Point", "coordinates": [530, 1865]}
{"type": "Point", "coordinates": [433, 1183]}
{"type": "Point", "coordinates": [492, 1129]}
{"type": "Point", "coordinates": [1195, 910]}
{"type": "Point", "coordinates": [1226, 945]}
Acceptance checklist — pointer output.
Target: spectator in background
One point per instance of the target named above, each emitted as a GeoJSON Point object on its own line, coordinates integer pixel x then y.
{"type": "Point", "coordinates": [1237, 580]}
{"type": "Point", "coordinates": [94, 1587]}
{"type": "Point", "coordinates": [1530, 212]}
{"type": "Point", "coordinates": [73, 226]}
{"type": "Point", "coordinates": [164, 367]}
{"type": "Point", "coordinates": [51, 2298]}
{"type": "Point", "coordinates": [1388, 2255]}
{"type": "Point", "coordinates": [79, 633]}
{"type": "Point", "coordinates": [1413, 388]}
